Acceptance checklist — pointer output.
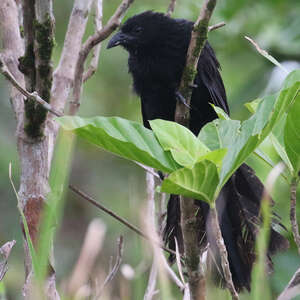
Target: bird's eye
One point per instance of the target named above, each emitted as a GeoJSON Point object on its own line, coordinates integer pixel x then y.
{"type": "Point", "coordinates": [137, 29]}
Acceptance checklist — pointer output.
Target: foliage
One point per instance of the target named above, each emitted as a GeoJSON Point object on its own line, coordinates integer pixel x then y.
{"type": "Point", "coordinates": [199, 175]}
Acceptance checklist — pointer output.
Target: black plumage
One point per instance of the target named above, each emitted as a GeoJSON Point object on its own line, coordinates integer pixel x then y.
{"type": "Point", "coordinates": [157, 47]}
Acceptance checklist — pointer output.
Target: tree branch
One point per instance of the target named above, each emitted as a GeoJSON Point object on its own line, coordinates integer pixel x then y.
{"type": "Point", "coordinates": [115, 216]}
{"type": "Point", "coordinates": [91, 42]}
{"type": "Point", "coordinates": [96, 51]}
{"type": "Point", "coordinates": [216, 26]}
{"type": "Point", "coordinates": [27, 64]}
{"type": "Point", "coordinates": [33, 96]}
{"type": "Point", "coordinates": [64, 74]}
{"type": "Point", "coordinates": [171, 8]}
{"type": "Point", "coordinates": [13, 48]}
{"type": "Point", "coordinates": [196, 278]}
{"type": "Point", "coordinates": [198, 39]}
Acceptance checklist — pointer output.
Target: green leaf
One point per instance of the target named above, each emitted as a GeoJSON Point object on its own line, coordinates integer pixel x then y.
{"type": "Point", "coordinates": [180, 141]}
{"type": "Point", "coordinates": [253, 105]}
{"type": "Point", "coordinates": [215, 156]}
{"type": "Point", "coordinates": [219, 133]}
{"type": "Point", "coordinates": [220, 112]}
{"type": "Point", "coordinates": [281, 151]}
{"type": "Point", "coordinates": [199, 182]}
{"type": "Point", "coordinates": [292, 134]}
{"type": "Point", "coordinates": [122, 137]}
{"type": "Point", "coordinates": [241, 139]}
{"type": "Point", "coordinates": [291, 79]}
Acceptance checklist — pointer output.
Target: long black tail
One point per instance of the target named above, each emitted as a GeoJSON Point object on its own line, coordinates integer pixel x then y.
{"type": "Point", "coordinates": [238, 208]}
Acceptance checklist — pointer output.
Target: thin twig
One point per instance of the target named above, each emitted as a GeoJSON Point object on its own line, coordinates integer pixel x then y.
{"type": "Point", "coordinates": [148, 169]}
{"type": "Point", "coordinates": [266, 55]}
{"type": "Point", "coordinates": [171, 8]}
{"type": "Point", "coordinates": [216, 26]}
{"type": "Point", "coordinates": [120, 219]}
{"type": "Point", "coordinates": [293, 216]}
{"type": "Point", "coordinates": [34, 96]}
{"type": "Point", "coordinates": [96, 51]}
{"type": "Point", "coordinates": [116, 267]}
{"type": "Point", "coordinates": [90, 43]}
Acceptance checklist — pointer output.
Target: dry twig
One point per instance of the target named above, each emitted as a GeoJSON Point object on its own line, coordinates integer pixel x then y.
{"type": "Point", "coordinates": [4, 254]}
{"type": "Point", "coordinates": [120, 219]}
{"type": "Point", "coordinates": [115, 268]}
{"type": "Point", "coordinates": [171, 8]}
{"type": "Point", "coordinates": [33, 96]}
{"type": "Point", "coordinates": [90, 43]}
{"type": "Point", "coordinates": [96, 51]}
{"type": "Point", "coordinates": [216, 26]}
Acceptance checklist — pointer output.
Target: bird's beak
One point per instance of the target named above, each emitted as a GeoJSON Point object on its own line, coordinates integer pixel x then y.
{"type": "Point", "coordinates": [118, 39]}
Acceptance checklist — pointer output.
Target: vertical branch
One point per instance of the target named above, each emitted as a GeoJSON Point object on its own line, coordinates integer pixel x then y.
{"type": "Point", "coordinates": [36, 154]}
{"type": "Point", "coordinates": [198, 39]}
{"type": "Point", "coordinates": [192, 249]}
{"type": "Point", "coordinates": [13, 48]}
{"type": "Point", "coordinates": [96, 51]}
{"type": "Point", "coordinates": [150, 184]}
{"type": "Point", "coordinates": [27, 65]}
{"type": "Point", "coordinates": [64, 74]}
{"type": "Point", "coordinates": [80, 76]}
{"type": "Point", "coordinates": [293, 216]}
{"type": "Point", "coordinates": [171, 8]}
{"type": "Point", "coordinates": [43, 27]}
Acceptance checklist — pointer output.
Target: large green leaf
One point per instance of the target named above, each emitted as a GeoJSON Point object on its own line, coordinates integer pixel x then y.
{"type": "Point", "coordinates": [199, 182]}
{"type": "Point", "coordinates": [292, 134]}
{"type": "Point", "coordinates": [180, 141]}
{"type": "Point", "coordinates": [220, 133]}
{"type": "Point", "coordinates": [241, 139]}
{"type": "Point", "coordinates": [125, 138]}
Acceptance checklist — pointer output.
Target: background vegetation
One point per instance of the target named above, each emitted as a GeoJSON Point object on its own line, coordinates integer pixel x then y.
{"type": "Point", "coordinates": [120, 185]}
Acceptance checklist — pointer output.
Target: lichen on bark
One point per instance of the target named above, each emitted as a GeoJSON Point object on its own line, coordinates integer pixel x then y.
{"type": "Point", "coordinates": [41, 60]}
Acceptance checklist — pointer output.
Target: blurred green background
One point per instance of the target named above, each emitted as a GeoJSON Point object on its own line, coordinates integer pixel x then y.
{"type": "Point", "coordinates": [119, 184]}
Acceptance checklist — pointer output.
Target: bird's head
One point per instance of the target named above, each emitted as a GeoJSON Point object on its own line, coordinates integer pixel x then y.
{"type": "Point", "coordinates": [142, 31]}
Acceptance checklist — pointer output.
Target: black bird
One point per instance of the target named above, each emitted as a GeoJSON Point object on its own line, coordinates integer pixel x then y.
{"type": "Point", "coordinates": [157, 47]}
